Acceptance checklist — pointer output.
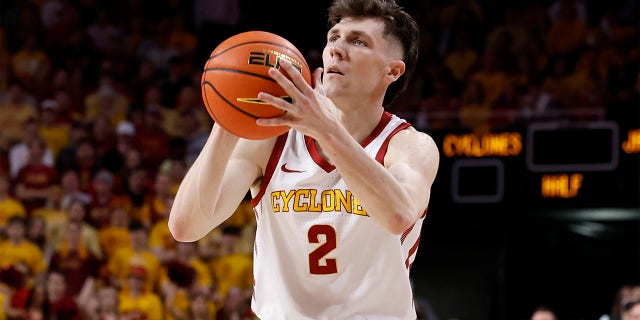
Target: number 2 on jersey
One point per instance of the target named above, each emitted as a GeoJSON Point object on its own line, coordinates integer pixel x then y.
{"type": "Point", "coordinates": [316, 256]}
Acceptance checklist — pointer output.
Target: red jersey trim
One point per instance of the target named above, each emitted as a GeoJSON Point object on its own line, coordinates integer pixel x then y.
{"type": "Point", "coordinates": [271, 167]}
{"type": "Point", "coordinates": [328, 167]}
{"type": "Point", "coordinates": [412, 252]}
{"type": "Point", "coordinates": [384, 120]}
{"type": "Point", "coordinates": [315, 155]}
{"type": "Point", "coordinates": [383, 148]}
{"type": "Point", "coordinates": [406, 232]}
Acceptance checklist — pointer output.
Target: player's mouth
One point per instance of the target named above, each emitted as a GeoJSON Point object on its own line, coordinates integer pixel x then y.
{"type": "Point", "coordinates": [334, 70]}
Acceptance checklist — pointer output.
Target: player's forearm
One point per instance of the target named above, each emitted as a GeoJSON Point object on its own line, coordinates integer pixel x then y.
{"type": "Point", "coordinates": [377, 191]}
{"type": "Point", "coordinates": [192, 214]}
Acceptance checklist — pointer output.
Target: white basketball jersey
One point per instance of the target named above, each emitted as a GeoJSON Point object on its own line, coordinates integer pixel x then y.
{"type": "Point", "coordinates": [317, 253]}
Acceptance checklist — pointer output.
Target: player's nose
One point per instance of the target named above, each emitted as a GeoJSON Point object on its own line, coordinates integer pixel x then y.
{"type": "Point", "coordinates": [336, 49]}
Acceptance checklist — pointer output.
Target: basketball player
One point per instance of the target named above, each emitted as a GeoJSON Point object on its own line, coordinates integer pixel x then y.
{"type": "Point", "coordinates": [340, 199]}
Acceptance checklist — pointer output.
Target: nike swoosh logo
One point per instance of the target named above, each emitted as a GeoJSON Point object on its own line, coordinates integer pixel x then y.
{"type": "Point", "coordinates": [285, 169]}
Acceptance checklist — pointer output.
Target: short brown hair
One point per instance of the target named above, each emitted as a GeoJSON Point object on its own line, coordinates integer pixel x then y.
{"type": "Point", "coordinates": [398, 24]}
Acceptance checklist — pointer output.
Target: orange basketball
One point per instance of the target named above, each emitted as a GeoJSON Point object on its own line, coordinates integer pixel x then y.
{"type": "Point", "coordinates": [234, 74]}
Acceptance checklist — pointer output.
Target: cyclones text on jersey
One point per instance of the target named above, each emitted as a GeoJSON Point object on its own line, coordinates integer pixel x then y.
{"type": "Point", "coordinates": [312, 200]}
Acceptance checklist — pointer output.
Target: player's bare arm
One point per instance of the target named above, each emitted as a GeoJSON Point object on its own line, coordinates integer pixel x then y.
{"type": "Point", "coordinates": [413, 160]}
{"type": "Point", "coordinates": [394, 195]}
{"type": "Point", "coordinates": [216, 183]}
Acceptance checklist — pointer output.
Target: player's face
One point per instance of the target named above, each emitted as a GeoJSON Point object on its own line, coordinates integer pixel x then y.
{"type": "Point", "coordinates": [357, 59]}
{"type": "Point", "coordinates": [632, 312]}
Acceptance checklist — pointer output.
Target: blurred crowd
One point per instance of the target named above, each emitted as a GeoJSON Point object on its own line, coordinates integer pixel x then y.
{"type": "Point", "coordinates": [497, 65]}
{"type": "Point", "coordinates": [101, 116]}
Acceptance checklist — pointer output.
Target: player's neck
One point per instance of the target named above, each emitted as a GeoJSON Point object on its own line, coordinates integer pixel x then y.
{"type": "Point", "coordinates": [360, 122]}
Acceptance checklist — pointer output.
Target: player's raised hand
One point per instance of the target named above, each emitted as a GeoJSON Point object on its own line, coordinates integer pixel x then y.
{"type": "Point", "coordinates": [309, 111]}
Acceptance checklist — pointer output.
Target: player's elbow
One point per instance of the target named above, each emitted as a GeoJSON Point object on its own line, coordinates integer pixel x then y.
{"type": "Point", "coordinates": [399, 223]}
{"type": "Point", "coordinates": [180, 229]}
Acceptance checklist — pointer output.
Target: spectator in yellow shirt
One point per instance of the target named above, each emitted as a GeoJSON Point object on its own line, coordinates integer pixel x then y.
{"type": "Point", "coordinates": [107, 102]}
{"type": "Point", "coordinates": [30, 63]}
{"type": "Point", "coordinates": [4, 302]}
{"type": "Point", "coordinates": [187, 252]}
{"type": "Point", "coordinates": [135, 302]}
{"type": "Point", "coordinates": [179, 279]}
{"type": "Point", "coordinates": [116, 234]}
{"type": "Point", "coordinates": [17, 249]}
{"type": "Point", "coordinates": [77, 212]}
{"type": "Point", "coordinates": [9, 206]}
{"type": "Point", "coordinates": [54, 215]}
{"type": "Point", "coordinates": [232, 268]}
{"type": "Point", "coordinates": [55, 134]}
{"type": "Point", "coordinates": [138, 253]}
{"type": "Point", "coordinates": [186, 276]}
{"type": "Point", "coordinates": [15, 110]}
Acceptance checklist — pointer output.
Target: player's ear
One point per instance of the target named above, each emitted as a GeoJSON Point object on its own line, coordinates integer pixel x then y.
{"type": "Point", "coordinates": [396, 69]}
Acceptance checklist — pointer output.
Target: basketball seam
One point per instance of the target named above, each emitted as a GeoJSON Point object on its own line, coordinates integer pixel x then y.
{"type": "Point", "coordinates": [229, 102]}
{"type": "Point", "coordinates": [242, 72]}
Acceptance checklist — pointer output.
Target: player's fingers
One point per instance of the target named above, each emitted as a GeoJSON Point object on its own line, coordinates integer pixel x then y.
{"type": "Point", "coordinates": [296, 77]}
{"type": "Point", "coordinates": [316, 79]}
{"type": "Point", "coordinates": [271, 122]}
{"type": "Point", "coordinates": [283, 81]}
{"type": "Point", "coordinates": [278, 102]}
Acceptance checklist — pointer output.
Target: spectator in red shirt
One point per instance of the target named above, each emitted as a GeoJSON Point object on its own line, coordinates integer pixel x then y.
{"type": "Point", "coordinates": [58, 303]}
{"type": "Point", "coordinates": [102, 196]}
{"type": "Point", "coordinates": [73, 260]}
{"type": "Point", "coordinates": [152, 139]}
{"type": "Point", "coordinates": [35, 178]}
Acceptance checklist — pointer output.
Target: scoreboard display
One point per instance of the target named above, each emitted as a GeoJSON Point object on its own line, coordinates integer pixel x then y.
{"type": "Point", "coordinates": [547, 165]}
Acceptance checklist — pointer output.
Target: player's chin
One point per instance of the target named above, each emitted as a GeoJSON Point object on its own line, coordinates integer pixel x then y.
{"type": "Point", "coordinates": [334, 91]}
{"type": "Point", "coordinates": [329, 86]}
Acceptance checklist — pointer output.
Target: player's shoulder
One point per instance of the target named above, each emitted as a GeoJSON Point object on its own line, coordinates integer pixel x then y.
{"type": "Point", "coordinates": [413, 147]}
{"type": "Point", "coordinates": [412, 137]}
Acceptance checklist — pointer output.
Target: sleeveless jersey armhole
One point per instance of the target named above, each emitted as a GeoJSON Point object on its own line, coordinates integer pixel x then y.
{"type": "Point", "coordinates": [271, 166]}
{"type": "Point", "coordinates": [383, 149]}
